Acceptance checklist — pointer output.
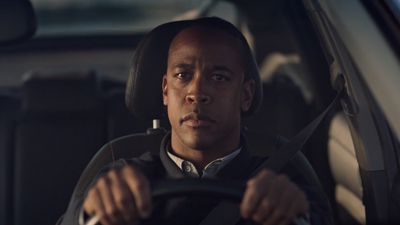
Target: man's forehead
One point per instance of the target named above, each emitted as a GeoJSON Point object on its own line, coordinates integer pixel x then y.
{"type": "Point", "coordinates": [202, 34]}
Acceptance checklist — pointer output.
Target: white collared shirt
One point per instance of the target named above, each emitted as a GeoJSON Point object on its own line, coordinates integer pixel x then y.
{"type": "Point", "coordinates": [209, 171]}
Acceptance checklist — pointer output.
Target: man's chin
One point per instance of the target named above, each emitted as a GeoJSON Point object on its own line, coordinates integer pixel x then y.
{"type": "Point", "coordinates": [199, 144]}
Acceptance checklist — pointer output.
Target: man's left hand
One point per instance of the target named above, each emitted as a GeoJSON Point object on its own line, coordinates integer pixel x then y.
{"type": "Point", "coordinates": [272, 199]}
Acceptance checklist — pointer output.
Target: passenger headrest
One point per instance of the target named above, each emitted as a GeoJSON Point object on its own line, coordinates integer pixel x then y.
{"type": "Point", "coordinates": [143, 91]}
{"type": "Point", "coordinates": [60, 91]}
{"type": "Point", "coordinates": [17, 21]}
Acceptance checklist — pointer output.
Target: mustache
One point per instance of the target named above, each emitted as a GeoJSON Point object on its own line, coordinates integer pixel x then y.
{"type": "Point", "coordinates": [196, 116]}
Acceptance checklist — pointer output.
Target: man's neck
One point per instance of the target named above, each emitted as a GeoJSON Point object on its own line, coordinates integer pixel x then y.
{"type": "Point", "coordinates": [201, 157]}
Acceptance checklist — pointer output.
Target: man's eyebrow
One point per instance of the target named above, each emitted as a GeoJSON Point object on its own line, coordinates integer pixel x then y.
{"type": "Point", "coordinates": [190, 66]}
{"type": "Point", "coordinates": [223, 68]}
{"type": "Point", "coordinates": [183, 66]}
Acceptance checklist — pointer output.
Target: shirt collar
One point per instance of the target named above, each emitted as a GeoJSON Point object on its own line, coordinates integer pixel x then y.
{"type": "Point", "coordinates": [209, 171]}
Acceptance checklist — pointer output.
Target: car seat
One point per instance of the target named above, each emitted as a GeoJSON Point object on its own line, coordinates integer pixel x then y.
{"type": "Point", "coordinates": [9, 104]}
{"type": "Point", "coordinates": [60, 127]}
{"type": "Point", "coordinates": [345, 170]}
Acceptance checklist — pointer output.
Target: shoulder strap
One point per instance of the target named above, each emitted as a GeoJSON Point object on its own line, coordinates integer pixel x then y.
{"type": "Point", "coordinates": [280, 158]}
{"type": "Point", "coordinates": [275, 162]}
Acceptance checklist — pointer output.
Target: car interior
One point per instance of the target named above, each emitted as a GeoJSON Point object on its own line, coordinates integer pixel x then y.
{"type": "Point", "coordinates": [64, 115]}
{"type": "Point", "coordinates": [146, 75]}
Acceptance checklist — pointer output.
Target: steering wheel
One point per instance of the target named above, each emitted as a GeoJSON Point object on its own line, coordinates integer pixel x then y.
{"type": "Point", "coordinates": [231, 191]}
{"type": "Point", "coordinates": [170, 188]}
{"type": "Point", "coordinates": [228, 190]}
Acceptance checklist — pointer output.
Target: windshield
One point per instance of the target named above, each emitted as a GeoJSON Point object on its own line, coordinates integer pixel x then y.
{"type": "Point", "coordinates": [110, 16]}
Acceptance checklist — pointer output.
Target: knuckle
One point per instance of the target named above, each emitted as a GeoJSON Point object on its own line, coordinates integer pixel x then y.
{"type": "Point", "coordinates": [112, 173]}
{"type": "Point", "coordinates": [272, 204]}
{"type": "Point", "coordinates": [122, 202]}
{"type": "Point", "coordinates": [251, 183]}
{"type": "Point", "coordinates": [91, 193]}
{"type": "Point", "coordinates": [282, 178]}
{"type": "Point", "coordinates": [112, 212]}
{"type": "Point", "coordinates": [90, 198]}
{"type": "Point", "coordinates": [289, 216]}
{"type": "Point", "coordinates": [88, 207]}
{"type": "Point", "coordinates": [139, 185]}
{"type": "Point", "coordinates": [265, 204]}
{"type": "Point", "coordinates": [129, 170]}
{"type": "Point", "coordinates": [257, 218]}
{"type": "Point", "coordinates": [279, 213]}
{"type": "Point", "coordinates": [102, 182]}
{"type": "Point", "coordinates": [103, 217]}
{"type": "Point", "coordinates": [126, 169]}
{"type": "Point", "coordinates": [265, 173]}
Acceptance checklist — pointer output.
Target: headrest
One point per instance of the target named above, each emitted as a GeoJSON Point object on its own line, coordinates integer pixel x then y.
{"type": "Point", "coordinates": [143, 94]}
{"type": "Point", "coordinates": [60, 91]}
{"type": "Point", "coordinates": [17, 21]}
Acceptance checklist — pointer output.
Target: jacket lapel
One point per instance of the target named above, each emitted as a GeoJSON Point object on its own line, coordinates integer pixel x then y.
{"type": "Point", "coordinates": [171, 168]}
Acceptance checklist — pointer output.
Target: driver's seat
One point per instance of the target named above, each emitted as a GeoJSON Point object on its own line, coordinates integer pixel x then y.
{"type": "Point", "coordinates": [144, 98]}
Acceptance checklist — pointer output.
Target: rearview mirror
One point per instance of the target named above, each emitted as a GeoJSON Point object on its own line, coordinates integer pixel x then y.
{"type": "Point", "coordinates": [17, 21]}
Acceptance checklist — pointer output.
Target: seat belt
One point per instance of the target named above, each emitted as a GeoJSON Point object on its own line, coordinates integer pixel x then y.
{"type": "Point", "coordinates": [276, 162]}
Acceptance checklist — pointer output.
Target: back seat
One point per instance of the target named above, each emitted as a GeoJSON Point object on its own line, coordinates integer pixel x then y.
{"type": "Point", "coordinates": [62, 125]}
{"type": "Point", "coordinates": [283, 113]}
{"type": "Point", "coordinates": [64, 119]}
{"type": "Point", "coordinates": [120, 121]}
{"type": "Point", "coordinates": [9, 105]}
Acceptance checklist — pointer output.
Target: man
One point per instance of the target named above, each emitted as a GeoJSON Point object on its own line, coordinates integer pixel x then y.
{"type": "Point", "coordinates": [206, 88]}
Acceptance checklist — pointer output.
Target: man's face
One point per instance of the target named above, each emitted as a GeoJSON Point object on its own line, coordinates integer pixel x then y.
{"type": "Point", "coordinates": [204, 90]}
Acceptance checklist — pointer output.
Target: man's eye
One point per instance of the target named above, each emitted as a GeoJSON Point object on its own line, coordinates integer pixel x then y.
{"type": "Point", "coordinates": [219, 77]}
{"type": "Point", "coordinates": [182, 76]}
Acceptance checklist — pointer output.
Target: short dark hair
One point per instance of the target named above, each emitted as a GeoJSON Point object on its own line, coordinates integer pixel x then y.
{"type": "Point", "coordinates": [227, 28]}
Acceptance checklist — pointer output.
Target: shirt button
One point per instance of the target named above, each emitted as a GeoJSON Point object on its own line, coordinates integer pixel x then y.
{"type": "Point", "coordinates": [186, 167]}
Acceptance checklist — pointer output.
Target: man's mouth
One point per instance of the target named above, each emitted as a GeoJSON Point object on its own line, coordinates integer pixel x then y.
{"type": "Point", "coordinates": [197, 120]}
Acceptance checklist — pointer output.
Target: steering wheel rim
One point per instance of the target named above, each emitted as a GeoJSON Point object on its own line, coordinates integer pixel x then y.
{"type": "Point", "coordinates": [222, 189]}
{"type": "Point", "coordinates": [162, 189]}
{"type": "Point", "coordinates": [229, 190]}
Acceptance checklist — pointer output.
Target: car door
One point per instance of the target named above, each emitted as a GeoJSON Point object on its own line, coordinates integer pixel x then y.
{"type": "Point", "coordinates": [362, 51]}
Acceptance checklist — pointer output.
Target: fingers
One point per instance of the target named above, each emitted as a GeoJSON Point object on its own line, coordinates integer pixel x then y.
{"type": "Point", "coordinates": [93, 205]}
{"type": "Point", "coordinates": [273, 199]}
{"type": "Point", "coordinates": [112, 214]}
{"type": "Point", "coordinates": [123, 198]}
{"type": "Point", "coordinates": [256, 188]}
{"type": "Point", "coordinates": [140, 189]}
{"type": "Point", "coordinates": [119, 197]}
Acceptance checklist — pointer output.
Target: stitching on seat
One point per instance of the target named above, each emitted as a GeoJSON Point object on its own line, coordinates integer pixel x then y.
{"type": "Point", "coordinates": [112, 153]}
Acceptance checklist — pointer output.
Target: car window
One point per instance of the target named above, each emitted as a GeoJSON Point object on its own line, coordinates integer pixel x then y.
{"type": "Point", "coordinates": [394, 6]}
{"type": "Point", "coordinates": [108, 16]}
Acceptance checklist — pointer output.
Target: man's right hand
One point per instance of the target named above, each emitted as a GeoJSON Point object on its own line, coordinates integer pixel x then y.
{"type": "Point", "coordinates": [121, 196]}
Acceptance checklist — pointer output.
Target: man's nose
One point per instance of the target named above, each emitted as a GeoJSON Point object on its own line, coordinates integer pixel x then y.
{"type": "Point", "coordinates": [197, 93]}
{"type": "Point", "coordinates": [198, 98]}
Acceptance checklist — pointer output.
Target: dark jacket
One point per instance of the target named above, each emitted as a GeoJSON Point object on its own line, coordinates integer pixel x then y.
{"type": "Point", "coordinates": [192, 210]}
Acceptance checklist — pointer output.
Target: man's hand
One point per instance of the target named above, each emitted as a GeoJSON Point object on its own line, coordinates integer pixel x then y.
{"type": "Point", "coordinates": [120, 197]}
{"type": "Point", "coordinates": [272, 199]}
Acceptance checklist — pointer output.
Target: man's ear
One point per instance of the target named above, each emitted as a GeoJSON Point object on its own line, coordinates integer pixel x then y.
{"type": "Point", "coordinates": [164, 89]}
{"type": "Point", "coordinates": [248, 91]}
